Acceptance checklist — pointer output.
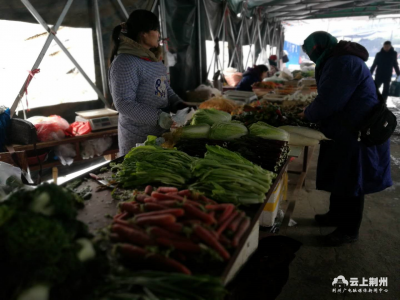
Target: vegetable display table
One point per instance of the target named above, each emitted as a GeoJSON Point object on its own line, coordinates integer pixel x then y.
{"type": "Point", "coordinates": [101, 206]}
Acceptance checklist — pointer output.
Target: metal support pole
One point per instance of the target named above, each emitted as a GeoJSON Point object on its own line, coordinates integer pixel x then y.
{"type": "Point", "coordinates": [223, 39]}
{"type": "Point", "coordinates": [252, 41]}
{"type": "Point", "coordinates": [37, 16]}
{"type": "Point", "coordinates": [237, 40]}
{"type": "Point", "coordinates": [199, 41]}
{"type": "Point", "coordinates": [101, 49]}
{"type": "Point", "coordinates": [41, 55]}
{"type": "Point", "coordinates": [153, 9]}
{"type": "Point", "coordinates": [123, 9]}
{"type": "Point", "coordinates": [164, 33]}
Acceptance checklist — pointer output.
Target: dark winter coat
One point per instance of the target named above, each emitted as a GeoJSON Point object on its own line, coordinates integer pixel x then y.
{"type": "Point", "coordinates": [345, 166]}
{"type": "Point", "coordinates": [385, 62]}
{"type": "Point", "coordinates": [250, 77]}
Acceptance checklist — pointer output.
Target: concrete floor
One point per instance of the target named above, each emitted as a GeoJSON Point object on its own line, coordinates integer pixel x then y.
{"type": "Point", "coordinates": [376, 254]}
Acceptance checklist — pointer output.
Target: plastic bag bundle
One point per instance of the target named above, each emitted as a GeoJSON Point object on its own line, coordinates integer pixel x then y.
{"type": "Point", "coordinates": [66, 153]}
{"type": "Point", "coordinates": [96, 147]}
{"type": "Point", "coordinates": [49, 128]}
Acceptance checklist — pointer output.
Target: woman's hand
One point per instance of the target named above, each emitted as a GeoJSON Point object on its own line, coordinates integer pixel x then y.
{"type": "Point", "coordinates": [301, 115]}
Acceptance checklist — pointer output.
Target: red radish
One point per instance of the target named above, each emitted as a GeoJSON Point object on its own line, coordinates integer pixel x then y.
{"type": "Point", "coordinates": [227, 212]}
{"type": "Point", "coordinates": [194, 203]}
{"type": "Point", "coordinates": [180, 245]}
{"type": "Point", "coordinates": [190, 222]}
{"type": "Point", "coordinates": [241, 230]}
{"type": "Point", "coordinates": [174, 227]}
{"type": "Point", "coordinates": [148, 190]}
{"type": "Point", "coordinates": [160, 196]}
{"type": "Point", "coordinates": [198, 214]}
{"type": "Point", "coordinates": [216, 206]}
{"type": "Point", "coordinates": [235, 223]}
{"type": "Point", "coordinates": [210, 240]}
{"type": "Point", "coordinates": [132, 235]}
{"type": "Point", "coordinates": [137, 254]}
{"type": "Point", "coordinates": [164, 233]}
{"type": "Point", "coordinates": [164, 189]}
{"type": "Point", "coordinates": [224, 240]}
{"type": "Point", "coordinates": [150, 199]}
{"type": "Point", "coordinates": [207, 200]}
{"type": "Point", "coordinates": [185, 193]}
{"type": "Point", "coordinates": [169, 203]}
{"type": "Point", "coordinates": [172, 194]}
{"type": "Point", "coordinates": [223, 226]}
{"type": "Point", "coordinates": [177, 212]}
{"type": "Point", "coordinates": [114, 237]}
{"type": "Point", "coordinates": [160, 220]}
{"type": "Point", "coordinates": [140, 198]}
{"type": "Point", "coordinates": [130, 207]}
{"type": "Point", "coordinates": [154, 206]}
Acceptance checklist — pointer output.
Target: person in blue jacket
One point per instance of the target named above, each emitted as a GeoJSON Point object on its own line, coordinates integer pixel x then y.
{"type": "Point", "coordinates": [346, 167]}
{"type": "Point", "coordinates": [251, 76]}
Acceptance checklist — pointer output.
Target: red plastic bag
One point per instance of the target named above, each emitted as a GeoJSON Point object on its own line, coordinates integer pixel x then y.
{"type": "Point", "coordinates": [78, 128]}
{"type": "Point", "coordinates": [49, 128]}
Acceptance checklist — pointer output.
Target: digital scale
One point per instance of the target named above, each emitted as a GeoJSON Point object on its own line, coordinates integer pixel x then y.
{"type": "Point", "coordinates": [99, 119]}
{"type": "Point", "coordinates": [241, 97]}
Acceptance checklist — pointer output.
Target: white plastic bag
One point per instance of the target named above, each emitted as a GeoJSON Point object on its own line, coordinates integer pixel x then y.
{"type": "Point", "coordinates": [6, 171]}
{"type": "Point", "coordinates": [96, 147]}
{"type": "Point", "coordinates": [183, 116]}
{"type": "Point", "coordinates": [286, 74]}
{"type": "Point", "coordinates": [66, 153]}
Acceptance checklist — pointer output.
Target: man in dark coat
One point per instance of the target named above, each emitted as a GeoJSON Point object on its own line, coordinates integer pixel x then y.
{"type": "Point", "coordinates": [385, 60]}
{"type": "Point", "coordinates": [347, 168]}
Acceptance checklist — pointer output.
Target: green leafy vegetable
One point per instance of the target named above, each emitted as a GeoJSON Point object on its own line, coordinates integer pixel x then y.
{"type": "Point", "coordinates": [42, 242]}
{"type": "Point", "coordinates": [227, 131]}
{"type": "Point", "coordinates": [210, 117]}
{"type": "Point", "coordinates": [195, 131]}
{"type": "Point", "coordinates": [153, 285]}
{"type": "Point", "coordinates": [154, 165]}
{"type": "Point", "coordinates": [226, 176]}
{"type": "Point", "coordinates": [269, 132]}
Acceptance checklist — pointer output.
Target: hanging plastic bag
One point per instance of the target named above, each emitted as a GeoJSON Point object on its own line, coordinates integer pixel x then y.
{"type": "Point", "coordinates": [96, 147]}
{"type": "Point", "coordinates": [78, 128]}
{"type": "Point", "coordinates": [66, 153]}
{"type": "Point", "coordinates": [183, 116]}
{"type": "Point", "coordinates": [10, 179]}
{"type": "Point", "coordinates": [49, 128]}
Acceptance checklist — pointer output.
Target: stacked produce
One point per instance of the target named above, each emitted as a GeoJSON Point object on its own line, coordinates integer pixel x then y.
{"type": "Point", "coordinates": [220, 104]}
{"type": "Point", "coordinates": [228, 177]}
{"type": "Point", "coordinates": [154, 165]}
{"type": "Point", "coordinates": [168, 229]}
{"type": "Point", "coordinates": [273, 115]}
{"type": "Point", "coordinates": [302, 136]}
{"type": "Point", "coordinates": [268, 154]}
{"type": "Point", "coordinates": [44, 249]}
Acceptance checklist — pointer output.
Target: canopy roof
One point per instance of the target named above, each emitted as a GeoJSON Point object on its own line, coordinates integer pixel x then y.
{"type": "Point", "coordinates": [316, 9]}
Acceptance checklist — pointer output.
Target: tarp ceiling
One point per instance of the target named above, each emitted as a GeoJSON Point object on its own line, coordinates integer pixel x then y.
{"type": "Point", "coordinates": [315, 9]}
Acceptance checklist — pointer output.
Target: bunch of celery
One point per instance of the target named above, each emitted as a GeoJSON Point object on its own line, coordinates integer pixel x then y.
{"type": "Point", "coordinates": [225, 176]}
{"type": "Point", "coordinates": [153, 165]}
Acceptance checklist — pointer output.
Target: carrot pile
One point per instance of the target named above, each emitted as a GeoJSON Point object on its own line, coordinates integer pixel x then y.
{"type": "Point", "coordinates": [164, 228]}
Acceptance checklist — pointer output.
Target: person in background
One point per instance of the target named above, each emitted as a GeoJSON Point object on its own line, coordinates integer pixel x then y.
{"type": "Point", "coordinates": [384, 62]}
{"type": "Point", "coordinates": [138, 81]}
{"type": "Point", "coordinates": [251, 76]}
{"type": "Point", "coordinates": [273, 65]}
{"type": "Point", "coordinates": [347, 168]}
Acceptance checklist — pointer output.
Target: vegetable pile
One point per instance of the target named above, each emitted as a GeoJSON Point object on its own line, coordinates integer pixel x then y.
{"type": "Point", "coordinates": [152, 285]}
{"type": "Point", "coordinates": [210, 117]}
{"type": "Point", "coordinates": [167, 229]}
{"type": "Point", "coordinates": [228, 177]}
{"type": "Point", "coordinates": [154, 165]}
{"type": "Point", "coordinates": [219, 103]}
{"type": "Point", "coordinates": [268, 154]}
{"type": "Point", "coordinates": [44, 248]}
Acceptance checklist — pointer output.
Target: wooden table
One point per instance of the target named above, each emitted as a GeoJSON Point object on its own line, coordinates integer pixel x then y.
{"type": "Point", "coordinates": [109, 154]}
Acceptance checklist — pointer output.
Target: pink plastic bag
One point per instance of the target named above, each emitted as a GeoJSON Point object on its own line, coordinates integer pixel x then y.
{"type": "Point", "coordinates": [49, 128]}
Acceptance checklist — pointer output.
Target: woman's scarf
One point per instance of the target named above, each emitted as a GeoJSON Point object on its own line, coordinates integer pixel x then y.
{"type": "Point", "coordinates": [129, 46]}
{"type": "Point", "coordinates": [318, 45]}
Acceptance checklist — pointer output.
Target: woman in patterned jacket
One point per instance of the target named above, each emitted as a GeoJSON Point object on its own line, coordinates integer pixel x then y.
{"type": "Point", "coordinates": [138, 81]}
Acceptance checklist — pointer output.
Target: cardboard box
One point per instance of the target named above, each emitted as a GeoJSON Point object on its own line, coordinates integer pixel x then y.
{"type": "Point", "coordinates": [267, 217]}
